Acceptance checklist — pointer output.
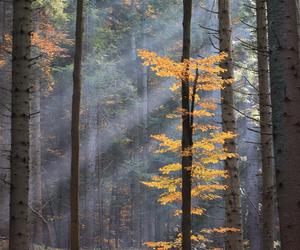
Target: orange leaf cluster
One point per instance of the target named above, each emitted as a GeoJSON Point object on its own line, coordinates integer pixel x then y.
{"type": "Point", "coordinates": [207, 149]}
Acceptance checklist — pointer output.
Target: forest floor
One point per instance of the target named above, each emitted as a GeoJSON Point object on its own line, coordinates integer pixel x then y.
{"type": "Point", "coordinates": [4, 246]}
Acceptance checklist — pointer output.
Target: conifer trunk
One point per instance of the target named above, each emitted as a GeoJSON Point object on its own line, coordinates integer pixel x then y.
{"type": "Point", "coordinates": [265, 128]}
{"type": "Point", "coordinates": [186, 133]}
{"type": "Point", "coordinates": [21, 83]}
{"type": "Point", "coordinates": [234, 240]}
{"type": "Point", "coordinates": [284, 75]}
{"type": "Point", "coordinates": [35, 194]}
{"type": "Point", "coordinates": [75, 129]}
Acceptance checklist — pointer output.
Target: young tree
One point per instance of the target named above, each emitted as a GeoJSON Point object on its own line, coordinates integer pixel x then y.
{"type": "Point", "coordinates": [284, 76]}
{"type": "Point", "coordinates": [21, 84]}
{"type": "Point", "coordinates": [75, 129]}
{"type": "Point", "coordinates": [187, 137]}
{"type": "Point", "coordinates": [232, 194]}
{"type": "Point", "coordinates": [207, 148]}
{"type": "Point", "coordinates": [265, 128]}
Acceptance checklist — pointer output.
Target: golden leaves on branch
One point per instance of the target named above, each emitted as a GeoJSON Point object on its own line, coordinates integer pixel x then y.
{"type": "Point", "coordinates": [207, 148]}
{"type": "Point", "coordinates": [208, 68]}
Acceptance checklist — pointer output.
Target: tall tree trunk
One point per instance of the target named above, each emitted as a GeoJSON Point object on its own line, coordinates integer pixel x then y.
{"type": "Point", "coordinates": [35, 189]}
{"type": "Point", "coordinates": [186, 142]}
{"type": "Point", "coordinates": [5, 136]}
{"type": "Point", "coordinates": [265, 128]}
{"type": "Point", "coordinates": [21, 83]}
{"type": "Point", "coordinates": [145, 135]}
{"type": "Point", "coordinates": [284, 75]}
{"type": "Point", "coordinates": [75, 130]}
{"type": "Point", "coordinates": [233, 212]}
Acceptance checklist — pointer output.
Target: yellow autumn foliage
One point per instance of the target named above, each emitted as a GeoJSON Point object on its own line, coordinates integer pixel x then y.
{"type": "Point", "coordinates": [201, 75]}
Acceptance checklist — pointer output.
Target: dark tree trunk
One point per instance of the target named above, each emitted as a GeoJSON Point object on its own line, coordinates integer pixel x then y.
{"type": "Point", "coordinates": [75, 130]}
{"type": "Point", "coordinates": [186, 133]}
{"type": "Point", "coordinates": [284, 75]}
{"type": "Point", "coordinates": [266, 128]}
{"type": "Point", "coordinates": [21, 83]}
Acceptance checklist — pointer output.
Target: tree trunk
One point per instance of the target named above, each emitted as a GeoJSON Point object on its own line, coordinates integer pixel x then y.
{"type": "Point", "coordinates": [75, 130]}
{"type": "Point", "coordinates": [265, 128]}
{"type": "Point", "coordinates": [21, 83]}
{"type": "Point", "coordinates": [233, 212]}
{"type": "Point", "coordinates": [186, 133]}
{"type": "Point", "coordinates": [35, 189]}
{"type": "Point", "coordinates": [284, 75]}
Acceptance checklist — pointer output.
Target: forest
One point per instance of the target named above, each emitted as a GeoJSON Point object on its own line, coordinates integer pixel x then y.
{"type": "Point", "coordinates": [149, 124]}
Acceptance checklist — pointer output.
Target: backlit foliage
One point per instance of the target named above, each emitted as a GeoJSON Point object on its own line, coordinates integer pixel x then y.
{"type": "Point", "coordinates": [207, 150]}
{"type": "Point", "coordinates": [46, 45]}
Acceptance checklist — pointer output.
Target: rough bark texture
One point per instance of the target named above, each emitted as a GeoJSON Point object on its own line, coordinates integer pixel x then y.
{"type": "Point", "coordinates": [75, 130]}
{"type": "Point", "coordinates": [186, 133]}
{"type": "Point", "coordinates": [265, 128]}
{"type": "Point", "coordinates": [21, 83]}
{"type": "Point", "coordinates": [6, 17]}
{"type": "Point", "coordinates": [284, 75]}
{"type": "Point", "coordinates": [233, 240]}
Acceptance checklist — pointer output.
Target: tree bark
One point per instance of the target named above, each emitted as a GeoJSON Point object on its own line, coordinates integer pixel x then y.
{"type": "Point", "coordinates": [234, 240]}
{"type": "Point", "coordinates": [265, 128]}
{"type": "Point", "coordinates": [284, 76]}
{"type": "Point", "coordinates": [75, 129]}
{"type": "Point", "coordinates": [21, 83]}
{"type": "Point", "coordinates": [186, 142]}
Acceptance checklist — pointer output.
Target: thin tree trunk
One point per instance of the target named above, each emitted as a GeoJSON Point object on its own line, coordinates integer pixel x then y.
{"type": "Point", "coordinates": [234, 240]}
{"type": "Point", "coordinates": [186, 133]}
{"type": "Point", "coordinates": [266, 128]}
{"type": "Point", "coordinates": [284, 75]}
{"type": "Point", "coordinates": [21, 83]}
{"type": "Point", "coordinates": [75, 130]}
{"type": "Point", "coordinates": [35, 189]}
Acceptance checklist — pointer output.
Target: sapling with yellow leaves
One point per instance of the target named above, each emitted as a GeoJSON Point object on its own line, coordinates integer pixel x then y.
{"type": "Point", "coordinates": [206, 147]}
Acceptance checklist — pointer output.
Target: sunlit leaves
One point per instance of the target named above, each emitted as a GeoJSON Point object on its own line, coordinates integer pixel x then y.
{"type": "Point", "coordinates": [170, 168]}
{"type": "Point", "coordinates": [46, 45]}
{"type": "Point", "coordinates": [207, 148]}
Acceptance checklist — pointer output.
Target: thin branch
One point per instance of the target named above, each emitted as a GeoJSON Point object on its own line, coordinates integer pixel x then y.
{"type": "Point", "coordinates": [210, 11]}
{"type": "Point", "coordinates": [212, 43]}
{"type": "Point", "coordinates": [255, 131]}
{"type": "Point", "coordinates": [193, 98]}
{"type": "Point", "coordinates": [210, 29]}
{"type": "Point", "coordinates": [252, 204]}
{"type": "Point", "coordinates": [252, 85]}
{"type": "Point", "coordinates": [248, 45]}
{"type": "Point", "coordinates": [248, 25]}
{"type": "Point", "coordinates": [250, 7]}
{"type": "Point", "coordinates": [243, 67]}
